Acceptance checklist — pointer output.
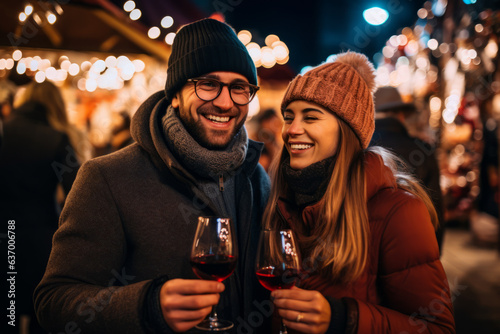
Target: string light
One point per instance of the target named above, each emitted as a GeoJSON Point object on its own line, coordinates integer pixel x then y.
{"type": "Point", "coordinates": [16, 55]}
{"type": "Point", "coordinates": [21, 68]}
{"type": "Point", "coordinates": [169, 39]}
{"type": "Point", "coordinates": [74, 69]}
{"type": "Point", "coordinates": [34, 65]}
{"type": "Point", "coordinates": [245, 36]}
{"type": "Point", "coordinates": [22, 16]}
{"type": "Point", "coordinates": [40, 76]}
{"type": "Point", "coordinates": [154, 32]}
{"type": "Point", "coordinates": [129, 6]}
{"type": "Point", "coordinates": [167, 22]}
{"type": "Point", "coordinates": [275, 51]}
{"type": "Point", "coordinates": [51, 18]}
{"type": "Point", "coordinates": [135, 14]}
{"type": "Point", "coordinates": [28, 9]}
{"type": "Point", "coordinates": [9, 64]}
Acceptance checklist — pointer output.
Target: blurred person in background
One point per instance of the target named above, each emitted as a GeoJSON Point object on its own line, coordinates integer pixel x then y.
{"type": "Point", "coordinates": [267, 129]}
{"type": "Point", "coordinates": [120, 133]}
{"type": "Point", "coordinates": [40, 152]}
{"type": "Point", "coordinates": [484, 221]}
{"type": "Point", "coordinates": [7, 91]}
{"type": "Point", "coordinates": [420, 158]}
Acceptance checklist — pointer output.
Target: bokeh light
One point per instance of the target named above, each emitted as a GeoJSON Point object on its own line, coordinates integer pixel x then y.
{"type": "Point", "coordinates": [154, 32]}
{"type": "Point", "coordinates": [135, 14]}
{"type": "Point", "coordinates": [40, 76]}
{"type": "Point", "coordinates": [375, 16]}
{"type": "Point", "coordinates": [16, 55]}
{"type": "Point", "coordinates": [167, 22]}
{"type": "Point", "coordinates": [28, 9]}
{"type": "Point", "coordinates": [245, 36]}
{"type": "Point", "coordinates": [129, 6]}
{"type": "Point", "coordinates": [169, 39]}
{"type": "Point", "coordinates": [51, 18]}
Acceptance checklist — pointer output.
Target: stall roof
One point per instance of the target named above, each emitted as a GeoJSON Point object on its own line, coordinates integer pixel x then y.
{"type": "Point", "coordinates": [84, 25]}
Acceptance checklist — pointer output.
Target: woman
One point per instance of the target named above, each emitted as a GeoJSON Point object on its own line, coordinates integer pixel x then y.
{"type": "Point", "coordinates": [47, 94]}
{"type": "Point", "coordinates": [36, 158]}
{"type": "Point", "coordinates": [365, 228]}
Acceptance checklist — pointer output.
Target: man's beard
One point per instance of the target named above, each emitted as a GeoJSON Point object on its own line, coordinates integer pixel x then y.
{"type": "Point", "coordinates": [201, 135]}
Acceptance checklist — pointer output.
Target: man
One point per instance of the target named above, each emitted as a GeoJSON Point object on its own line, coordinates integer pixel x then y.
{"type": "Point", "coordinates": [120, 259]}
{"type": "Point", "coordinates": [391, 133]}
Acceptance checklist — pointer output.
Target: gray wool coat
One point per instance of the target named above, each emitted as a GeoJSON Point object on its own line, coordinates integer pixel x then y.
{"type": "Point", "coordinates": [128, 222]}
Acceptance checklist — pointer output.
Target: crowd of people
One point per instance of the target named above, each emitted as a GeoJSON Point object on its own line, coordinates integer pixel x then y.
{"type": "Point", "coordinates": [360, 194]}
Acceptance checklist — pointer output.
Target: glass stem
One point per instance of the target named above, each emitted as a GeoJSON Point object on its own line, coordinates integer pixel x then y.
{"type": "Point", "coordinates": [213, 314]}
{"type": "Point", "coordinates": [283, 329]}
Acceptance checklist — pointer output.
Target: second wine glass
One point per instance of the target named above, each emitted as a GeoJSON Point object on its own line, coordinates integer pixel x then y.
{"type": "Point", "coordinates": [213, 257]}
{"type": "Point", "coordinates": [278, 261]}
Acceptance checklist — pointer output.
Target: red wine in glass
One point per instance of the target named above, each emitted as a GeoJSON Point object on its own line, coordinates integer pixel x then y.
{"type": "Point", "coordinates": [213, 257]}
{"type": "Point", "coordinates": [273, 279]}
{"type": "Point", "coordinates": [213, 267]}
{"type": "Point", "coordinates": [278, 261]}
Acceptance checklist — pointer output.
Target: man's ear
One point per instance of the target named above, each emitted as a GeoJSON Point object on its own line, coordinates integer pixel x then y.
{"type": "Point", "coordinates": [175, 101]}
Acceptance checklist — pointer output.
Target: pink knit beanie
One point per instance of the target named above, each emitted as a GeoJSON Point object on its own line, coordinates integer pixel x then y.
{"type": "Point", "coordinates": [345, 87]}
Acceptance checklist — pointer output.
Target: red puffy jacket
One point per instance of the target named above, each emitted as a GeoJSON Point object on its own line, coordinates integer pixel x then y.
{"type": "Point", "coordinates": [404, 287]}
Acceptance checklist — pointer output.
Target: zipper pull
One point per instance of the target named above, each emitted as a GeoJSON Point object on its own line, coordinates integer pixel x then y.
{"type": "Point", "coordinates": [221, 182]}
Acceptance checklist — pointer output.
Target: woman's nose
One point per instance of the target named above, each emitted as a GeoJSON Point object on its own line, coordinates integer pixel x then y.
{"type": "Point", "coordinates": [295, 128]}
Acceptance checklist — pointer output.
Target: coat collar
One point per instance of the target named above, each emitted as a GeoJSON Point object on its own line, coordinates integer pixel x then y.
{"type": "Point", "coordinates": [377, 177]}
{"type": "Point", "coordinates": [146, 131]}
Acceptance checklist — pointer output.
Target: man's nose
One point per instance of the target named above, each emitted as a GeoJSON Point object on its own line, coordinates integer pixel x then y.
{"type": "Point", "coordinates": [223, 101]}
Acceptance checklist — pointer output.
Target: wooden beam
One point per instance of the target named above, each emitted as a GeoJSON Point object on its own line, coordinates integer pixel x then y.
{"type": "Point", "coordinates": [158, 49]}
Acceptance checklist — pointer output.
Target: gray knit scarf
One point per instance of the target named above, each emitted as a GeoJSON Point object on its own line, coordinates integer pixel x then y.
{"type": "Point", "coordinates": [198, 159]}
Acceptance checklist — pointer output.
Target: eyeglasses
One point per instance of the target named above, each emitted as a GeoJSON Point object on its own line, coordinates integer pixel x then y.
{"type": "Point", "coordinates": [208, 89]}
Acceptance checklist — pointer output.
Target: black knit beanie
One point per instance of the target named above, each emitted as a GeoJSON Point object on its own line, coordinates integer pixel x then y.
{"type": "Point", "coordinates": [206, 46]}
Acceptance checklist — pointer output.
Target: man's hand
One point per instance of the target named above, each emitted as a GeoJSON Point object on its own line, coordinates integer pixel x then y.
{"type": "Point", "coordinates": [185, 303]}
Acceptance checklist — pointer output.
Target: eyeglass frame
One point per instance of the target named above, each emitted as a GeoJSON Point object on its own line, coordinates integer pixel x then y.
{"type": "Point", "coordinates": [222, 85]}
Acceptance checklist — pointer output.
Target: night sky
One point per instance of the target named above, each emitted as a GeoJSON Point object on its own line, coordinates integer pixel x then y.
{"type": "Point", "coordinates": [315, 29]}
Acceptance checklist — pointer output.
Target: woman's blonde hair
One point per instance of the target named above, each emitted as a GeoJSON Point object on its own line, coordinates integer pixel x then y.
{"type": "Point", "coordinates": [338, 243]}
{"type": "Point", "coordinates": [48, 95]}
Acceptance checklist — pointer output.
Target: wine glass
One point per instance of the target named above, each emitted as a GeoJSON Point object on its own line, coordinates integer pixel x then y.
{"type": "Point", "coordinates": [278, 261]}
{"type": "Point", "coordinates": [213, 257]}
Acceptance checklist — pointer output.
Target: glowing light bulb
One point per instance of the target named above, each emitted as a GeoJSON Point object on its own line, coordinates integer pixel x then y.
{"type": "Point", "coordinates": [28, 9]}
{"type": "Point", "coordinates": [74, 69]}
{"type": "Point", "coordinates": [167, 22]}
{"type": "Point", "coordinates": [154, 32]}
{"type": "Point", "coordinates": [135, 14]}
{"type": "Point", "coordinates": [375, 16]}
{"type": "Point", "coordinates": [40, 77]}
{"type": "Point", "coordinates": [169, 39]}
{"type": "Point", "coordinates": [245, 36]}
{"type": "Point", "coordinates": [51, 18]}
{"type": "Point", "coordinates": [129, 6]}
{"type": "Point", "coordinates": [22, 16]}
{"type": "Point", "coordinates": [21, 68]}
{"type": "Point", "coordinates": [16, 55]}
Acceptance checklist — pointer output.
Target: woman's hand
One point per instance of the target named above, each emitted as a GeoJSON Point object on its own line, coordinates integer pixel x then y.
{"type": "Point", "coordinates": [303, 310]}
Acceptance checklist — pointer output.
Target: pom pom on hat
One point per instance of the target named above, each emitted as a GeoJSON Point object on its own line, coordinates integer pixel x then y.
{"type": "Point", "coordinates": [362, 65]}
{"type": "Point", "coordinates": [345, 87]}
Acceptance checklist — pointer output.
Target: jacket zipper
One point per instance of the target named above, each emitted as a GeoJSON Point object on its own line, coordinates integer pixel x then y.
{"type": "Point", "coordinates": [221, 182]}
